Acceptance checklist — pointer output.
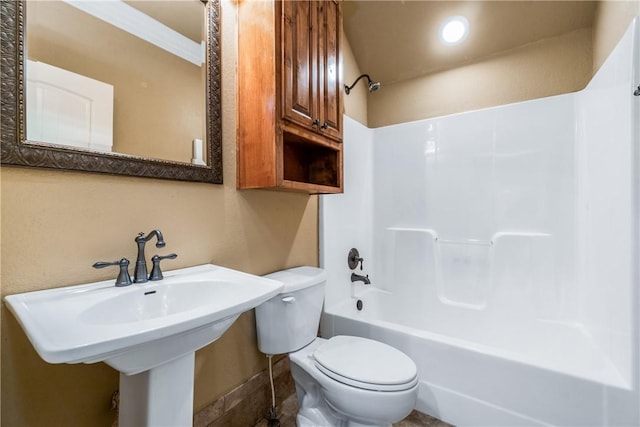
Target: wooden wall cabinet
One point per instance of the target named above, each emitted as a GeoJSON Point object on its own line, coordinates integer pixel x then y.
{"type": "Point", "coordinates": [290, 95]}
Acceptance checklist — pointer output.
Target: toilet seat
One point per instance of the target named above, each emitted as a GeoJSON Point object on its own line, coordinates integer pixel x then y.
{"type": "Point", "coordinates": [366, 364]}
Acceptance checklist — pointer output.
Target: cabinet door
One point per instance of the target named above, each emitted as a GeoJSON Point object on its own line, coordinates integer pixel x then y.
{"type": "Point", "coordinates": [299, 62]}
{"type": "Point", "coordinates": [329, 81]}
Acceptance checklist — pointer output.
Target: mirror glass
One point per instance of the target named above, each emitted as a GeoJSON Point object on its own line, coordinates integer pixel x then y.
{"type": "Point", "coordinates": [122, 87]}
{"type": "Point", "coordinates": [117, 76]}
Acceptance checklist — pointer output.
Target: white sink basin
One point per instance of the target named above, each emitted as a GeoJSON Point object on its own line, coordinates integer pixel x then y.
{"type": "Point", "coordinates": [138, 327]}
{"type": "Point", "coordinates": [149, 332]}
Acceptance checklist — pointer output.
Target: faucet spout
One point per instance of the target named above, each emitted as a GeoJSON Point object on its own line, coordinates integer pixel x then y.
{"type": "Point", "coordinates": [358, 278]}
{"type": "Point", "coordinates": [140, 273]}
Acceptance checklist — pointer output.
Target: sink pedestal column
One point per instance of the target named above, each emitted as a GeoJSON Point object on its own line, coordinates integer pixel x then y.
{"type": "Point", "coordinates": [161, 396]}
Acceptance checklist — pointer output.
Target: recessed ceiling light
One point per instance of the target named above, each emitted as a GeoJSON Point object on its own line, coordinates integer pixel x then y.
{"type": "Point", "coordinates": [454, 30]}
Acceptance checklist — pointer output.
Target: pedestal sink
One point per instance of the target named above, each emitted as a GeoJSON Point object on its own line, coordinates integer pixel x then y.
{"type": "Point", "coordinates": [149, 332]}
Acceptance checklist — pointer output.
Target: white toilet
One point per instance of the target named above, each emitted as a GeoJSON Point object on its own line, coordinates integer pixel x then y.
{"type": "Point", "coordinates": [342, 381]}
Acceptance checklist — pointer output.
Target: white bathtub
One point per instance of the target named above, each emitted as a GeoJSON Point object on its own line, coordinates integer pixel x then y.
{"type": "Point", "coordinates": [473, 372]}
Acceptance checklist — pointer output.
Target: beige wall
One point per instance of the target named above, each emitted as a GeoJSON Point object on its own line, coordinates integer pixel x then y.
{"type": "Point", "coordinates": [56, 224]}
{"type": "Point", "coordinates": [549, 67]}
{"type": "Point", "coordinates": [611, 21]}
{"type": "Point", "coordinates": [355, 104]}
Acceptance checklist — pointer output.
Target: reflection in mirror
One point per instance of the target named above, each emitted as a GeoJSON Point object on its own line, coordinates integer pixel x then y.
{"type": "Point", "coordinates": [122, 86]}
{"type": "Point", "coordinates": [126, 77]}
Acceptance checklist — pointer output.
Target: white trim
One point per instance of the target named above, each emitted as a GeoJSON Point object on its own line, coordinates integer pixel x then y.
{"type": "Point", "coordinates": [131, 20]}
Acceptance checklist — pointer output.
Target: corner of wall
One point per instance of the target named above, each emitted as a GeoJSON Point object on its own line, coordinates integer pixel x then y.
{"type": "Point", "coordinates": [355, 104]}
{"type": "Point", "coordinates": [611, 21]}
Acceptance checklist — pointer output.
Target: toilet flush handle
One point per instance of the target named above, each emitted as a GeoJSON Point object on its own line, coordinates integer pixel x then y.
{"type": "Point", "coordinates": [289, 299]}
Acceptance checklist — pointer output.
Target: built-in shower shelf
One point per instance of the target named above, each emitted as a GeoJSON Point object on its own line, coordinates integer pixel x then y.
{"type": "Point", "coordinates": [465, 242]}
{"type": "Point", "coordinates": [479, 242]}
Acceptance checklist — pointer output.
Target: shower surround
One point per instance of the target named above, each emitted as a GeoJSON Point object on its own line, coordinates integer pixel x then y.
{"type": "Point", "coordinates": [503, 251]}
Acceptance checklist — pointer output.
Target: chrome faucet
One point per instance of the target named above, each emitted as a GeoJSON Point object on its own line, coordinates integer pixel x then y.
{"type": "Point", "coordinates": [358, 278]}
{"type": "Point", "coordinates": [140, 273]}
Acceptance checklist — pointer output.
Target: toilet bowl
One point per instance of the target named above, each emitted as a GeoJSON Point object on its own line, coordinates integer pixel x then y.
{"type": "Point", "coordinates": [341, 381]}
{"type": "Point", "coordinates": [369, 400]}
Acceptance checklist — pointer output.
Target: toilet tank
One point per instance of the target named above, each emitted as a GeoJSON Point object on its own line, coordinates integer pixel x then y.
{"type": "Point", "coordinates": [290, 320]}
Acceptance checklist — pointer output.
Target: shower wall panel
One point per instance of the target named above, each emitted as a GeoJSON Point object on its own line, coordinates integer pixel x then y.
{"type": "Point", "coordinates": [349, 214]}
{"type": "Point", "coordinates": [607, 203]}
{"type": "Point", "coordinates": [479, 183]}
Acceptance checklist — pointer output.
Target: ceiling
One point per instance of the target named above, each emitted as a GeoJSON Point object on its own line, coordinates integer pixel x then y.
{"type": "Point", "coordinates": [398, 40]}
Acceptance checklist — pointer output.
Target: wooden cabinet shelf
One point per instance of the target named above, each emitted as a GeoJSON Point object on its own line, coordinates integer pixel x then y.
{"type": "Point", "coordinates": [290, 95]}
{"type": "Point", "coordinates": [306, 162]}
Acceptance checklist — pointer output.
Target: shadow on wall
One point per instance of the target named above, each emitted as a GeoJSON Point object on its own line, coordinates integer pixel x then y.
{"type": "Point", "coordinates": [49, 387]}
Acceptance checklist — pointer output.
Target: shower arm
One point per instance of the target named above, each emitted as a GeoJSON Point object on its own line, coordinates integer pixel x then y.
{"type": "Point", "coordinates": [347, 89]}
{"type": "Point", "coordinates": [373, 86]}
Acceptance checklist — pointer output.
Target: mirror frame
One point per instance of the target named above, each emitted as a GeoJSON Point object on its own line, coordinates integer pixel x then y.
{"type": "Point", "coordinates": [15, 150]}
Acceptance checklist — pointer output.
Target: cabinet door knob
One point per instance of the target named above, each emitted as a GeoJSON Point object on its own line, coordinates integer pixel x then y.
{"type": "Point", "coordinates": [324, 126]}
{"type": "Point", "coordinates": [316, 122]}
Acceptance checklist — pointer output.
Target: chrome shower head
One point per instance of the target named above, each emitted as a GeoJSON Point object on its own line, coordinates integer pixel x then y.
{"type": "Point", "coordinates": [373, 86]}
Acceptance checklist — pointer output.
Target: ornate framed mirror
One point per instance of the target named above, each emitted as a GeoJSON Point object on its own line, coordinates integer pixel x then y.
{"type": "Point", "coordinates": [203, 159]}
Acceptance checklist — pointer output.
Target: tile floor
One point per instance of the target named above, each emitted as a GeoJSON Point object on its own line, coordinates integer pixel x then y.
{"type": "Point", "coordinates": [287, 417]}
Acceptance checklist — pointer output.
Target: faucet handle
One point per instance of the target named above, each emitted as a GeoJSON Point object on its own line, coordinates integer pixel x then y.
{"type": "Point", "coordinates": [354, 259]}
{"type": "Point", "coordinates": [156, 273]}
{"type": "Point", "coordinates": [123, 278]}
